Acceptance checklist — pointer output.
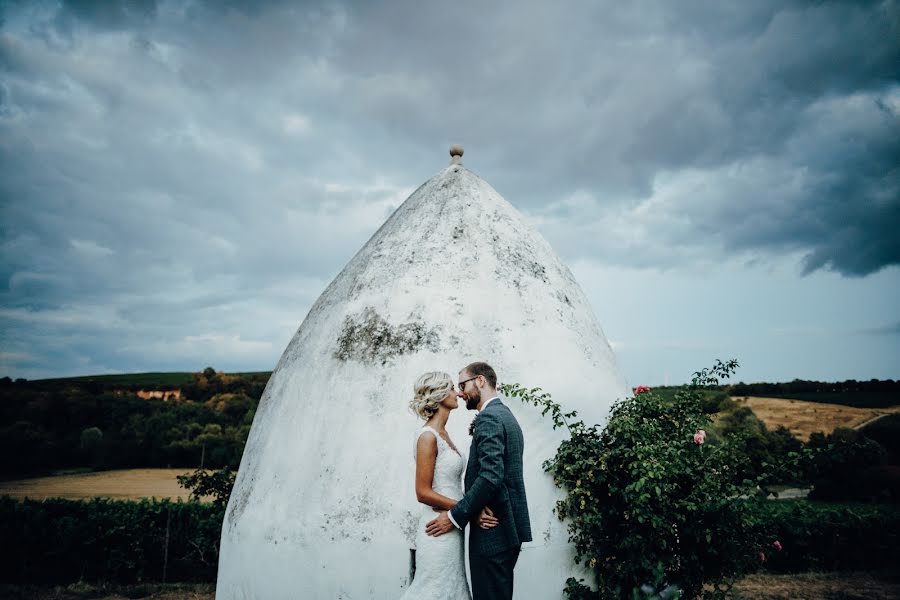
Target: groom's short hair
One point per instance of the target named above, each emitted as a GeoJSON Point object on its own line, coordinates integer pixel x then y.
{"type": "Point", "coordinates": [485, 370]}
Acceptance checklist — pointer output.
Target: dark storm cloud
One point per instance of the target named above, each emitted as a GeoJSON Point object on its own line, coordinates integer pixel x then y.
{"type": "Point", "coordinates": [604, 101]}
{"type": "Point", "coordinates": [107, 14]}
{"type": "Point", "coordinates": [166, 168]}
{"type": "Point", "coordinates": [813, 94]}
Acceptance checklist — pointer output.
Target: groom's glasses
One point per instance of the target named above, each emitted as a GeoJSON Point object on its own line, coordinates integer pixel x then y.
{"type": "Point", "coordinates": [462, 384]}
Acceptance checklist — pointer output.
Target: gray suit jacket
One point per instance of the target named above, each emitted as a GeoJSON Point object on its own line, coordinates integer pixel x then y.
{"type": "Point", "coordinates": [494, 479]}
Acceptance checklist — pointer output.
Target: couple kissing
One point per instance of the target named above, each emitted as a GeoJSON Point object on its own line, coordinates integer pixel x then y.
{"type": "Point", "coordinates": [491, 498]}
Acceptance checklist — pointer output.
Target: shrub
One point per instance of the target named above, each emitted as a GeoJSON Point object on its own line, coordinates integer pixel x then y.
{"type": "Point", "coordinates": [886, 431]}
{"type": "Point", "coordinates": [718, 401]}
{"type": "Point", "coordinates": [763, 447]}
{"type": "Point", "coordinates": [825, 536]}
{"type": "Point", "coordinates": [841, 470]}
{"type": "Point", "coordinates": [61, 541]}
{"type": "Point", "coordinates": [726, 404]}
{"type": "Point", "coordinates": [217, 484]}
{"type": "Point", "coordinates": [651, 500]}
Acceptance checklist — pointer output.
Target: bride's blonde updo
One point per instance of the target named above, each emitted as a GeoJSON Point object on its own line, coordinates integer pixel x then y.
{"type": "Point", "coordinates": [430, 389]}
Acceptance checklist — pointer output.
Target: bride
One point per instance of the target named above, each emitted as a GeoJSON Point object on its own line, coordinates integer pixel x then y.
{"type": "Point", "coordinates": [440, 561]}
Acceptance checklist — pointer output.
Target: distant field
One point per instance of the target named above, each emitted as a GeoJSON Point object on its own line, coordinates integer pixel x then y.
{"type": "Point", "coordinates": [803, 418]}
{"type": "Point", "coordinates": [129, 484]}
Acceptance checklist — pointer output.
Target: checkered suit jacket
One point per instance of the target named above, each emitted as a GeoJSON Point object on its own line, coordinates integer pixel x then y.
{"type": "Point", "coordinates": [494, 479]}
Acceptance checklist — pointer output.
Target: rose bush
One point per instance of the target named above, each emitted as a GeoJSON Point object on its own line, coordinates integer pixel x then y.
{"type": "Point", "coordinates": [653, 502]}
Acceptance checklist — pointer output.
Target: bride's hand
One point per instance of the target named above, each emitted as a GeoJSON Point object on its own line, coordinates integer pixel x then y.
{"type": "Point", "coordinates": [486, 519]}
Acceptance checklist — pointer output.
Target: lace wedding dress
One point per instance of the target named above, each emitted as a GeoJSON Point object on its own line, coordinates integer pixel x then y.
{"type": "Point", "coordinates": [440, 561]}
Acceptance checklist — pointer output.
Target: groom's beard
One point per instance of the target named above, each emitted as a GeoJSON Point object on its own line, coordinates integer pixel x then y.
{"type": "Point", "coordinates": [472, 401]}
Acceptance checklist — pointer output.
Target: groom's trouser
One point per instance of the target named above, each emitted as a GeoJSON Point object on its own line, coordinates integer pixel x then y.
{"type": "Point", "coordinates": [492, 576]}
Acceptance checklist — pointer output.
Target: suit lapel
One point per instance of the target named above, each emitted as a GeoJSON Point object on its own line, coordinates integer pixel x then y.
{"type": "Point", "coordinates": [472, 465]}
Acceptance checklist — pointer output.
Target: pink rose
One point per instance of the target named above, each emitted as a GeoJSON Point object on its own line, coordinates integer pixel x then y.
{"type": "Point", "coordinates": [641, 389]}
{"type": "Point", "coordinates": [762, 557]}
{"type": "Point", "coordinates": [700, 437]}
{"type": "Point", "coordinates": [777, 545]}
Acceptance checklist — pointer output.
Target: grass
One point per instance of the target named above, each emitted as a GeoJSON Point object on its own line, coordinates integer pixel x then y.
{"type": "Point", "coordinates": [126, 484]}
{"type": "Point", "coordinates": [827, 586]}
{"type": "Point", "coordinates": [803, 418]}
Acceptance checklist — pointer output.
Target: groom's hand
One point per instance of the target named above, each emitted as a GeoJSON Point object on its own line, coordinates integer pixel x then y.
{"type": "Point", "coordinates": [486, 519]}
{"type": "Point", "coordinates": [440, 525]}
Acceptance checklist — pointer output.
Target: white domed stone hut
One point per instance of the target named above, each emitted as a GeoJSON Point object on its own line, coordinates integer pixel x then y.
{"type": "Point", "coordinates": [324, 503]}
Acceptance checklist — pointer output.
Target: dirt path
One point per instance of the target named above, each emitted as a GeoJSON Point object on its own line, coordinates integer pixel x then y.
{"type": "Point", "coordinates": [128, 484]}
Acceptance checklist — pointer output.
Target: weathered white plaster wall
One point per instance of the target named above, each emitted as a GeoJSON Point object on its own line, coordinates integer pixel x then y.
{"type": "Point", "coordinates": [324, 504]}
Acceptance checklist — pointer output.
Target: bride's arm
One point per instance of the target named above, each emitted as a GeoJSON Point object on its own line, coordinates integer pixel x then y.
{"type": "Point", "coordinates": [426, 455]}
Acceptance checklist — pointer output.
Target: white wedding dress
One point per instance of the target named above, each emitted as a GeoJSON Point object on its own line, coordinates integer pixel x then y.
{"type": "Point", "coordinates": [440, 561]}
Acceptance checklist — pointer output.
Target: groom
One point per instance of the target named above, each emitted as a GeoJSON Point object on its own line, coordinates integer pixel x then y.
{"type": "Point", "coordinates": [495, 489]}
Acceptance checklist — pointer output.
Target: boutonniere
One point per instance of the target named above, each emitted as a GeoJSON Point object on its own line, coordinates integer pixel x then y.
{"type": "Point", "coordinates": [472, 425]}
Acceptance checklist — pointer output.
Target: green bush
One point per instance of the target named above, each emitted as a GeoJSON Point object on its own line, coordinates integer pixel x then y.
{"type": "Point", "coordinates": [726, 404]}
{"type": "Point", "coordinates": [216, 484]}
{"type": "Point", "coordinates": [762, 447]}
{"type": "Point", "coordinates": [829, 536]}
{"type": "Point", "coordinates": [61, 541]}
{"type": "Point", "coordinates": [717, 401]}
{"type": "Point", "coordinates": [886, 431]}
{"type": "Point", "coordinates": [651, 502]}
{"type": "Point", "coordinates": [843, 470]}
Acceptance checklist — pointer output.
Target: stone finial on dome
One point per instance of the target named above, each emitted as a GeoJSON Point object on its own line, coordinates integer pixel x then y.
{"type": "Point", "coordinates": [456, 152]}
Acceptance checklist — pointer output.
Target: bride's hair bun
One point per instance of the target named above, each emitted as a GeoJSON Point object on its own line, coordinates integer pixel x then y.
{"type": "Point", "coordinates": [430, 389]}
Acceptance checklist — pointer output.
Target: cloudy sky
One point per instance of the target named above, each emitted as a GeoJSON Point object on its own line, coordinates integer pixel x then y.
{"type": "Point", "coordinates": [179, 181]}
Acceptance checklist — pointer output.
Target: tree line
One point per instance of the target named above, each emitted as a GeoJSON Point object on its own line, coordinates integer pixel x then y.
{"type": "Point", "coordinates": [46, 426]}
{"type": "Point", "coordinates": [100, 423]}
{"type": "Point", "coordinates": [874, 393]}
